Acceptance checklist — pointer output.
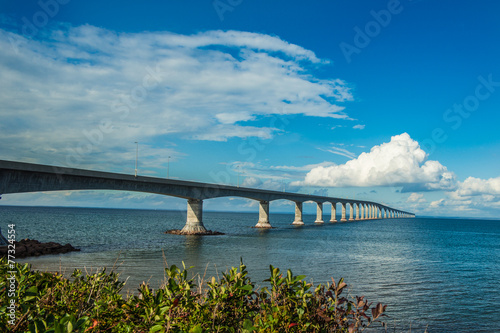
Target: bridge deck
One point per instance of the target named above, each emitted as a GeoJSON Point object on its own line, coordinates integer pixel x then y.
{"type": "Point", "coordinates": [18, 177]}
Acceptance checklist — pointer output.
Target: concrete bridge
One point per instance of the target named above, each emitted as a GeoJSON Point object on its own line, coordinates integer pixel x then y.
{"type": "Point", "coordinates": [17, 177]}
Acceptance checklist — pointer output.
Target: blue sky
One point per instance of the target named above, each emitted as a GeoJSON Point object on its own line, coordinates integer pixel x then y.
{"type": "Point", "coordinates": [390, 101]}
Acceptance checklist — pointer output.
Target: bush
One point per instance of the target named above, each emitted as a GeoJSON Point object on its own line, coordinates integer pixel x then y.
{"type": "Point", "coordinates": [48, 302]}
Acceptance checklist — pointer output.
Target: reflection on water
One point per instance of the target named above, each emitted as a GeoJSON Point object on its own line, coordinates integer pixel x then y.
{"type": "Point", "coordinates": [437, 272]}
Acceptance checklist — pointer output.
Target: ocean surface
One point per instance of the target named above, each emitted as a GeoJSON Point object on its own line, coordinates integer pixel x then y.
{"type": "Point", "coordinates": [439, 275]}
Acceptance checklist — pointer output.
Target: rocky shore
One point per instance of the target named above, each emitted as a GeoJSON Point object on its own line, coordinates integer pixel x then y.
{"type": "Point", "coordinates": [31, 248]}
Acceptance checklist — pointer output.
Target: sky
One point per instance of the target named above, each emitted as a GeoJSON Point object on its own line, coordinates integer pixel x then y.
{"type": "Point", "coordinates": [390, 101]}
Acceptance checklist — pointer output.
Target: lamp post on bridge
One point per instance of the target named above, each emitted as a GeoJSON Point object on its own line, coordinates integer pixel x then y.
{"type": "Point", "coordinates": [168, 167]}
{"type": "Point", "coordinates": [238, 172]}
{"type": "Point", "coordinates": [136, 156]}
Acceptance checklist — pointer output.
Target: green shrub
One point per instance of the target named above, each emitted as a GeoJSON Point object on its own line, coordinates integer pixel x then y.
{"type": "Point", "coordinates": [48, 302]}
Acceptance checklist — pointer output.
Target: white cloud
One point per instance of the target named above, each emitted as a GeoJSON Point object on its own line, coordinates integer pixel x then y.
{"type": "Point", "coordinates": [251, 182]}
{"type": "Point", "coordinates": [147, 86]}
{"type": "Point", "coordinates": [476, 186]}
{"type": "Point", "coordinates": [416, 198]}
{"type": "Point", "coordinates": [359, 126]}
{"type": "Point", "coordinates": [478, 197]}
{"type": "Point", "coordinates": [304, 168]}
{"type": "Point", "coordinates": [400, 162]}
{"type": "Point", "coordinates": [339, 151]}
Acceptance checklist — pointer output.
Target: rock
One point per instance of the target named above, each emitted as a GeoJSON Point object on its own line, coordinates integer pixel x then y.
{"type": "Point", "coordinates": [204, 233]}
{"type": "Point", "coordinates": [31, 247]}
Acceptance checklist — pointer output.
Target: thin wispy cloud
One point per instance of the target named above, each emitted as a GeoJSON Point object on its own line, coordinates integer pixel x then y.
{"type": "Point", "coordinates": [339, 151]}
{"type": "Point", "coordinates": [83, 92]}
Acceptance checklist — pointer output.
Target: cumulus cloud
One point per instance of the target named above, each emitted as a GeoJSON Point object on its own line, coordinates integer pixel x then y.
{"type": "Point", "coordinates": [359, 126]}
{"type": "Point", "coordinates": [84, 90]}
{"type": "Point", "coordinates": [474, 195]}
{"type": "Point", "coordinates": [400, 162]}
{"type": "Point", "coordinates": [475, 186]}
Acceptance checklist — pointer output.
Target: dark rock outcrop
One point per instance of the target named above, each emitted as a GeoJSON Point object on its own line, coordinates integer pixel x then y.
{"type": "Point", "coordinates": [31, 248]}
{"type": "Point", "coordinates": [204, 233]}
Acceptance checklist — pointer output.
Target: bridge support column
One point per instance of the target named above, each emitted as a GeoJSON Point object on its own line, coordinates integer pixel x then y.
{"type": "Point", "coordinates": [263, 215]}
{"type": "Point", "coordinates": [342, 219]}
{"type": "Point", "coordinates": [319, 213]}
{"type": "Point", "coordinates": [362, 209]}
{"type": "Point", "coordinates": [357, 210]}
{"type": "Point", "coordinates": [351, 211]}
{"type": "Point", "coordinates": [333, 218]}
{"type": "Point", "coordinates": [298, 214]}
{"type": "Point", "coordinates": [194, 221]}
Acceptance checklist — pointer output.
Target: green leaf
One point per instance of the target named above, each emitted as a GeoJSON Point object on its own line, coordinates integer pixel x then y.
{"type": "Point", "coordinates": [156, 328]}
{"type": "Point", "coordinates": [248, 326]}
{"type": "Point", "coordinates": [81, 321]}
{"type": "Point", "coordinates": [246, 287]}
{"type": "Point", "coordinates": [196, 329]}
{"type": "Point", "coordinates": [32, 291]}
{"type": "Point", "coordinates": [69, 326]}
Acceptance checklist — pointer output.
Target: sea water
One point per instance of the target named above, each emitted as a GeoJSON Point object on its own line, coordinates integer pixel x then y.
{"type": "Point", "coordinates": [438, 274]}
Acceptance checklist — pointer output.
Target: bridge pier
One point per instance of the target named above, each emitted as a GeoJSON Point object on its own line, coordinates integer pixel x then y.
{"type": "Point", "coordinates": [263, 215]}
{"type": "Point", "coordinates": [342, 218]}
{"type": "Point", "coordinates": [319, 213]}
{"type": "Point", "coordinates": [333, 219]}
{"type": "Point", "coordinates": [351, 211]}
{"type": "Point", "coordinates": [298, 214]}
{"type": "Point", "coordinates": [194, 220]}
